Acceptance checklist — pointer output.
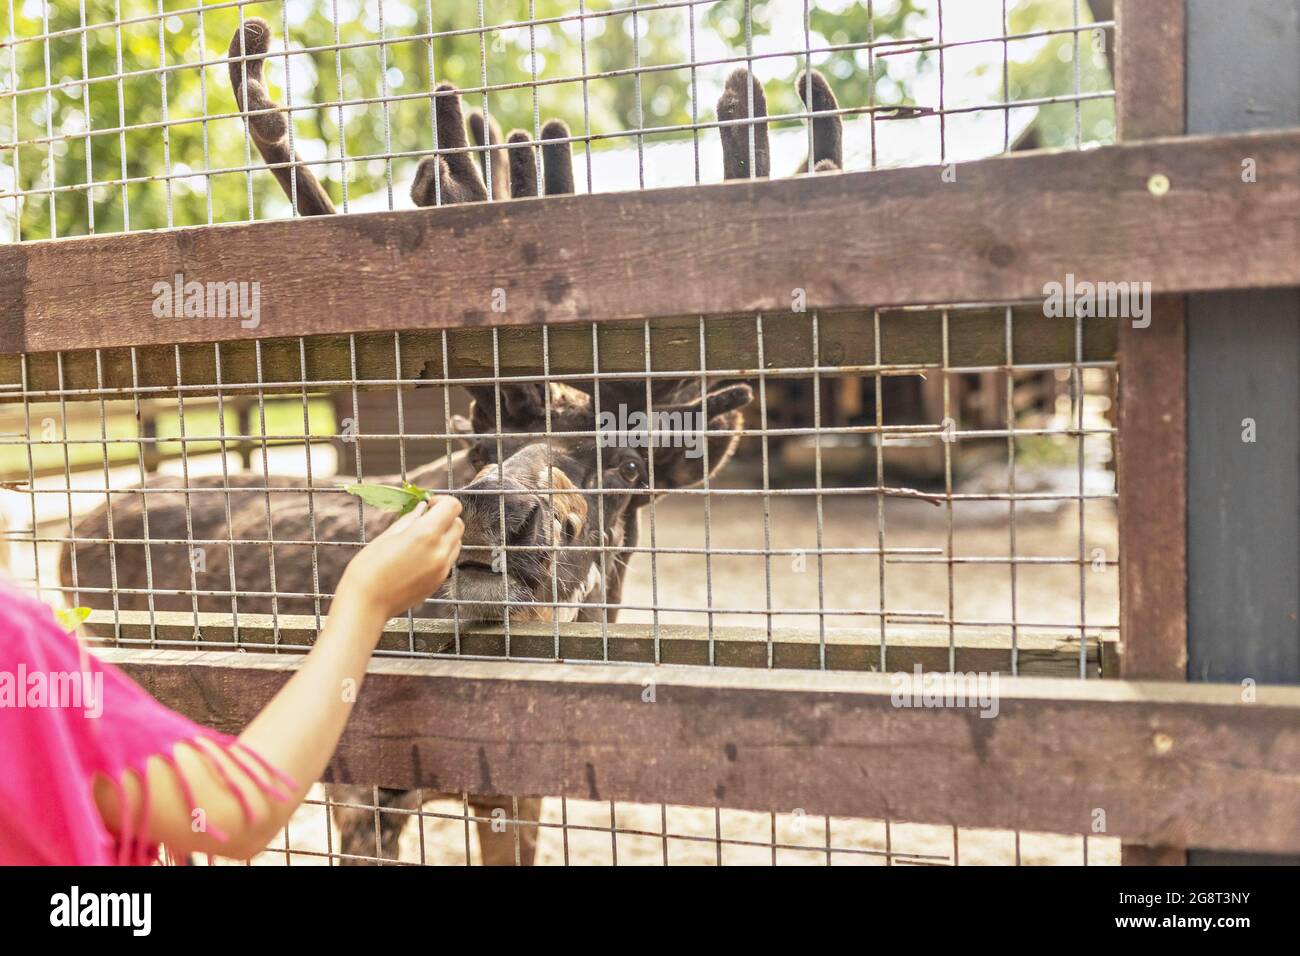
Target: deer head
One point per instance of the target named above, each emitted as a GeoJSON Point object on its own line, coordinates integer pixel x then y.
{"type": "Point", "coordinates": [553, 518]}
{"type": "Point", "coordinates": [550, 515]}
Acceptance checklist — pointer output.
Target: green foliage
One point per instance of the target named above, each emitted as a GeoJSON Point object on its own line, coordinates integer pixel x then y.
{"type": "Point", "coordinates": [134, 140]}
{"type": "Point", "coordinates": [389, 498]}
{"type": "Point", "coordinates": [71, 618]}
{"type": "Point", "coordinates": [1050, 72]}
{"type": "Point", "coordinates": [854, 74]}
{"type": "Point", "coordinates": [848, 69]}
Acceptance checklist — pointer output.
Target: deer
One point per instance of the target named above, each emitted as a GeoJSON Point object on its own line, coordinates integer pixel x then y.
{"type": "Point", "coordinates": [551, 503]}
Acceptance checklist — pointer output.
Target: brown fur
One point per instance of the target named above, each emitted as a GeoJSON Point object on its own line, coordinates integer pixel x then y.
{"type": "Point", "coordinates": [270, 131]}
{"type": "Point", "coordinates": [733, 107]}
{"type": "Point", "coordinates": [545, 486]}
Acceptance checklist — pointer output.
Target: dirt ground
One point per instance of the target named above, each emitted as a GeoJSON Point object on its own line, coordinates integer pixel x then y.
{"type": "Point", "coordinates": [696, 837]}
{"type": "Point", "coordinates": [916, 584]}
{"type": "Point", "coordinates": [1045, 595]}
{"type": "Point", "coordinates": [915, 536]}
{"type": "Point", "coordinates": [917, 587]}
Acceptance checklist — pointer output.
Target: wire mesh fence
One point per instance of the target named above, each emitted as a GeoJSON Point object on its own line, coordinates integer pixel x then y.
{"type": "Point", "coordinates": [862, 490]}
{"type": "Point", "coordinates": [447, 831]}
{"type": "Point", "coordinates": [126, 115]}
{"type": "Point", "coordinates": [766, 490]}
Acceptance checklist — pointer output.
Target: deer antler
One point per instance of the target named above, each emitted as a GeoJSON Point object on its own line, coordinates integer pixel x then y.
{"type": "Point", "coordinates": [270, 130]}
{"type": "Point", "coordinates": [734, 105]}
{"type": "Point", "coordinates": [501, 188]}
{"type": "Point", "coordinates": [514, 167]}
{"type": "Point", "coordinates": [557, 158]}
{"type": "Point", "coordinates": [557, 161]}
{"type": "Point", "coordinates": [457, 173]}
{"type": "Point", "coordinates": [459, 178]}
{"type": "Point", "coordinates": [828, 130]}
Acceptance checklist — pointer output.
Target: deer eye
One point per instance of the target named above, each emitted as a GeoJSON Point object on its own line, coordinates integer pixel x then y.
{"type": "Point", "coordinates": [630, 471]}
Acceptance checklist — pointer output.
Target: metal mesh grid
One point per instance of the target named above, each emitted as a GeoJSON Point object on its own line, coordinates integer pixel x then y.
{"type": "Point", "coordinates": [921, 486]}
{"type": "Point", "coordinates": [120, 115]}
{"type": "Point", "coordinates": [446, 831]}
{"type": "Point", "coordinates": [924, 492]}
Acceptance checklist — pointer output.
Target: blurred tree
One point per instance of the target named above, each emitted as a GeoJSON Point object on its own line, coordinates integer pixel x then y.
{"type": "Point", "coordinates": [1051, 72]}
{"type": "Point", "coordinates": [147, 98]}
{"type": "Point", "coordinates": [47, 116]}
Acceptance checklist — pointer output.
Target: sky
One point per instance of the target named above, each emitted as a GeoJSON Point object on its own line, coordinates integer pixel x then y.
{"type": "Point", "coordinates": [972, 76]}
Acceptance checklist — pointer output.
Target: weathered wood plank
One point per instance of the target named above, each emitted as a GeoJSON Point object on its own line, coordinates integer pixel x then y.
{"type": "Point", "coordinates": [1152, 483]}
{"type": "Point", "coordinates": [1151, 100]}
{"type": "Point", "coordinates": [1040, 654]}
{"type": "Point", "coordinates": [1007, 226]}
{"type": "Point", "coordinates": [977, 337]}
{"type": "Point", "coordinates": [1152, 454]}
{"type": "Point", "coordinates": [1150, 68]}
{"type": "Point", "coordinates": [1167, 763]}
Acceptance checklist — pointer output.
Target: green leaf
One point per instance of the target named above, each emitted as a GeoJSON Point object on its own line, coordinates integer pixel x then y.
{"type": "Point", "coordinates": [388, 498]}
{"type": "Point", "coordinates": [71, 618]}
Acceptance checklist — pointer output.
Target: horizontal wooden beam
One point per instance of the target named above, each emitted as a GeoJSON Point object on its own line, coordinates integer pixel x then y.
{"type": "Point", "coordinates": [1003, 229]}
{"type": "Point", "coordinates": [844, 341]}
{"type": "Point", "coordinates": [1158, 763]}
{"type": "Point", "coordinates": [1039, 653]}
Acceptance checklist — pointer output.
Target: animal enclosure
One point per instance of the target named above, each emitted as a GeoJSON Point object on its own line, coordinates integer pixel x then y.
{"type": "Point", "coordinates": [735, 351]}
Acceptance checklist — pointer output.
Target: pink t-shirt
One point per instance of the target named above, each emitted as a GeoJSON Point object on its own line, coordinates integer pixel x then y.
{"type": "Point", "coordinates": [65, 716]}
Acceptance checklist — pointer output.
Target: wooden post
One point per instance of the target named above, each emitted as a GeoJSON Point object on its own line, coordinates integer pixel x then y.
{"type": "Point", "coordinates": [1152, 474]}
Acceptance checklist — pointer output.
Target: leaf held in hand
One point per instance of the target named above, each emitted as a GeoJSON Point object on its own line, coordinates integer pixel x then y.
{"type": "Point", "coordinates": [71, 618]}
{"type": "Point", "coordinates": [388, 498]}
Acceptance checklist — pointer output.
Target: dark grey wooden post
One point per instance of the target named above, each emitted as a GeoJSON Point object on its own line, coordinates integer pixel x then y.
{"type": "Point", "coordinates": [1243, 382]}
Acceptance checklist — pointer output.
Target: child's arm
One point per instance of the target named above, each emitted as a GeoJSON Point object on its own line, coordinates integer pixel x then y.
{"type": "Point", "coordinates": [299, 729]}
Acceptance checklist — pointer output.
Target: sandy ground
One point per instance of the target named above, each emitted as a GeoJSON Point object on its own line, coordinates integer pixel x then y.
{"type": "Point", "coordinates": [918, 582]}
{"type": "Point", "coordinates": [981, 593]}
{"type": "Point", "coordinates": [698, 837]}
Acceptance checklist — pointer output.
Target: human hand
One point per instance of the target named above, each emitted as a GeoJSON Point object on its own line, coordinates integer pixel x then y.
{"type": "Point", "coordinates": [408, 562]}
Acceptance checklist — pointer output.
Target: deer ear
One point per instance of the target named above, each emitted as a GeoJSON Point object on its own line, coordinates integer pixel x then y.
{"type": "Point", "coordinates": [523, 405]}
{"type": "Point", "coordinates": [500, 163]}
{"type": "Point", "coordinates": [734, 105]}
{"type": "Point", "coordinates": [679, 461]}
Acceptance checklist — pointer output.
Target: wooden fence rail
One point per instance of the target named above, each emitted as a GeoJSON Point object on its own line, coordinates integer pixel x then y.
{"type": "Point", "coordinates": [999, 233]}
{"type": "Point", "coordinates": [1039, 653]}
{"type": "Point", "coordinates": [1157, 763]}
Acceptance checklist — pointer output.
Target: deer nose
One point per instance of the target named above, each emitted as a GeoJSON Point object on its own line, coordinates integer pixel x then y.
{"type": "Point", "coordinates": [491, 505]}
